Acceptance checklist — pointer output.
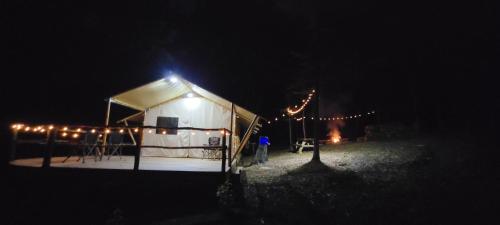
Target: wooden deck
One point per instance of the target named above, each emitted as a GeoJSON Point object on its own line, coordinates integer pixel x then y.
{"type": "Point", "coordinates": [127, 163]}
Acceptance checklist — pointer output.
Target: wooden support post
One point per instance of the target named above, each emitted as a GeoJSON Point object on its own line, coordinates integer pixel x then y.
{"type": "Point", "coordinates": [231, 137]}
{"type": "Point", "coordinates": [304, 123]}
{"type": "Point", "coordinates": [137, 156]}
{"type": "Point", "coordinates": [47, 157]}
{"type": "Point", "coordinates": [106, 124]}
{"type": "Point", "coordinates": [292, 149]}
{"type": "Point", "coordinates": [224, 148]}
{"type": "Point", "coordinates": [13, 145]}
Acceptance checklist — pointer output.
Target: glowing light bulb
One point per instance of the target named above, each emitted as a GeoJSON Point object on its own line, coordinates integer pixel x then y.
{"type": "Point", "coordinates": [136, 130]}
{"type": "Point", "coordinates": [276, 119]}
{"type": "Point", "coordinates": [121, 131]}
{"type": "Point", "coordinates": [268, 122]}
{"type": "Point", "coordinates": [27, 129]}
{"type": "Point", "coordinates": [64, 134]}
{"type": "Point", "coordinates": [79, 130]}
{"type": "Point", "coordinates": [108, 131]}
{"type": "Point", "coordinates": [92, 131]}
{"type": "Point", "coordinates": [208, 133]}
{"type": "Point", "coordinates": [150, 131]}
{"type": "Point", "coordinates": [42, 130]}
{"type": "Point", "coordinates": [75, 135]}
{"type": "Point", "coordinates": [173, 79]}
{"type": "Point", "coordinates": [164, 132]}
{"type": "Point", "coordinates": [65, 128]}
{"type": "Point", "coordinates": [51, 127]}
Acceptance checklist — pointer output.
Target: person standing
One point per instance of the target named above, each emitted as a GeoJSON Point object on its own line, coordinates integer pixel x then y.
{"type": "Point", "coordinates": [261, 153]}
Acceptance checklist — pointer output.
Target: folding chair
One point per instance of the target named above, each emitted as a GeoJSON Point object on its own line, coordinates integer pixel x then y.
{"type": "Point", "coordinates": [115, 144]}
{"type": "Point", "coordinates": [211, 153]}
{"type": "Point", "coordinates": [90, 145]}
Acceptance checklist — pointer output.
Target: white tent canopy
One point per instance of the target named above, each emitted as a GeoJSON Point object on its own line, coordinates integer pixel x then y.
{"type": "Point", "coordinates": [175, 98]}
{"type": "Point", "coordinates": [164, 90]}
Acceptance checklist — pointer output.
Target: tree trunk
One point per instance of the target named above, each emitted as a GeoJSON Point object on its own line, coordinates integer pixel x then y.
{"type": "Point", "coordinates": [315, 126]}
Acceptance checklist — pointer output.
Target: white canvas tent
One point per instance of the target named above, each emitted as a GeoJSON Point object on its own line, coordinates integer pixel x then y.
{"type": "Point", "coordinates": [190, 106]}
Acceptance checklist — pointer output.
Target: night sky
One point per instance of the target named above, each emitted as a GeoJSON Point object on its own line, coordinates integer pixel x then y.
{"type": "Point", "coordinates": [426, 59]}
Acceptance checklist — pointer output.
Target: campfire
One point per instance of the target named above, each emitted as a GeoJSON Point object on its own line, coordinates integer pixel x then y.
{"type": "Point", "coordinates": [335, 136]}
{"type": "Point", "coordinates": [334, 133]}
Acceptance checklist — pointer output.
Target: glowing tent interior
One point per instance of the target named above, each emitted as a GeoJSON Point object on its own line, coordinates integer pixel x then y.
{"type": "Point", "coordinates": [175, 102]}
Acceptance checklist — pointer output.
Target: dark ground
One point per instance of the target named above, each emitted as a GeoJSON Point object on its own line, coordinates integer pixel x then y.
{"type": "Point", "coordinates": [415, 181]}
{"type": "Point", "coordinates": [438, 180]}
{"type": "Point", "coordinates": [35, 196]}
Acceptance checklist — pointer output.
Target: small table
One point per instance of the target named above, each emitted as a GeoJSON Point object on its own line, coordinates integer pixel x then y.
{"type": "Point", "coordinates": [304, 143]}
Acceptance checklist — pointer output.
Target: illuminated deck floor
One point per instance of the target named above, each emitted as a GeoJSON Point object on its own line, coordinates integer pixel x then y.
{"type": "Point", "coordinates": [127, 163]}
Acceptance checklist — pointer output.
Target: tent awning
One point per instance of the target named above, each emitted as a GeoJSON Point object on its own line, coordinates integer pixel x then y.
{"type": "Point", "coordinates": [164, 90]}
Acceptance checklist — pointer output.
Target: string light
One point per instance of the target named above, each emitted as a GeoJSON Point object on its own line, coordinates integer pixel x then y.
{"type": "Point", "coordinates": [121, 131]}
{"type": "Point", "coordinates": [75, 135]}
{"type": "Point", "coordinates": [292, 112]}
{"type": "Point", "coordinates": [92, 131]}
{"type": "Point", "coordinates": [51, 127]}
{"type": "Point", "coordinates": [164, 132]}
{"type": "Point", "coordinates": [27, 129]}
{"type": "Point", "coordinates": [107, 131]}
{"type": "Point", "coordinates": [64, 134]}
{"type": "Point", "coordinates": [136, 130]}
{"type": "Point", "coordinates": [331, 118]}
{"type": "Point", "coordinates": [79, 130]}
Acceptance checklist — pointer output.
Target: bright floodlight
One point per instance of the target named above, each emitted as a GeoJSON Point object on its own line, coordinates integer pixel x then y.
{"type": "Point", "coordinates": [173, 79]}
{"type": "Point", "coordinates": [189, 95]}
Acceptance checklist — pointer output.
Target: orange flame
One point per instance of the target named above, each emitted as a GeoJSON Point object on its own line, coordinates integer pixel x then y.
{"type": "Point", "coordinates": [335, 136]}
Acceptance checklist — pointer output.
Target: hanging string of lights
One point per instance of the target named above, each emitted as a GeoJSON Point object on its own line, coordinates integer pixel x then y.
{"type": "Point", "coordinates": [296, 109]}
{"type": "Point", "coordinates": [76, 132]}
{"type": "Point", "coordinates": [326, 118]}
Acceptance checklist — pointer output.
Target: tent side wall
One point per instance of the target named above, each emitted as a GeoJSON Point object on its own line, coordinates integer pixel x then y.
{"type": "Point", "coordinates": [190, 112]}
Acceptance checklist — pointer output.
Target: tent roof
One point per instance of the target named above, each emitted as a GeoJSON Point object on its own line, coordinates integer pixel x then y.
{"type": "Point", "coordinates": [164, 90]}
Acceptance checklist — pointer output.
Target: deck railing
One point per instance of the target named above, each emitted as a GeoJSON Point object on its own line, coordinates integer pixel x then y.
{"type": "Point", "coordinates": [51, 136]}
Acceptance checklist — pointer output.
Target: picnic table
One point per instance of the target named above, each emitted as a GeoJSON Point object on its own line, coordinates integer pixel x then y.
{"type": "Point", "coordinates": [302, 143]}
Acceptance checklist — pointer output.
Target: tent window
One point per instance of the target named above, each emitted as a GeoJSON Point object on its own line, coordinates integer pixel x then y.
{"type": "Point", "coordinates": [170, 122]}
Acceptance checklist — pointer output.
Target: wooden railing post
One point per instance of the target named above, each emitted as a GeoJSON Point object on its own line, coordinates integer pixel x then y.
{"type": "Point", "coordinates": [224, 148]}
{"type": "Point", "coordinates": [137, 156]}
{"type": "Point", "coordinates": [47, 157]}
{"type": "Point", "coordinates": [13, 146]}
